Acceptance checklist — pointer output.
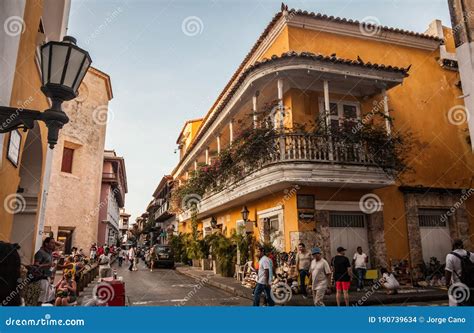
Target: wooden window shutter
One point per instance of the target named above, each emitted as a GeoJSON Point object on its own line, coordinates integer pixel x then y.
{"type": "Point", "coordinates": [68, 155]}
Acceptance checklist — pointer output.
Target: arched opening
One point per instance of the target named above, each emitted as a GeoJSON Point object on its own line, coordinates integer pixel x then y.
{"type": "Point", "coordinates": [24, 221]}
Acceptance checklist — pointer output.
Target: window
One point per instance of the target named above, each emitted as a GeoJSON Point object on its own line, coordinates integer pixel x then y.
{"type": "Point", "coordinates": [274, 224]}
{"type": "Point", "coordinates": [342, 114]}
{"type": "Point", "coordinates": [305, 201]}
{"type": "Point", "coordinates": [347, 220]}
{"type": "Point", "coordinates": [14, 144]}
{"type": "Point", "coordinates": [430, 218]}
{"type": "Point", "coordinates": [68, 155]}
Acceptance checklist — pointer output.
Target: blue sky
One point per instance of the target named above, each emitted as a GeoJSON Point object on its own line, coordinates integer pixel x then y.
{"type": "Point", "coordinates": [162, 76]}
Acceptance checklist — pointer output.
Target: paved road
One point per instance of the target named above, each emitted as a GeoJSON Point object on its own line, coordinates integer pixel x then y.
{"type": "Point", "coordinates": [168, 287]}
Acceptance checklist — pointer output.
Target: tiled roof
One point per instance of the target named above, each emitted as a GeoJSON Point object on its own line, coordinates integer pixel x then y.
{"type": "Point", "coordinates": [360, 23]}
{"type": "Point", "coordinates": [332, 59]}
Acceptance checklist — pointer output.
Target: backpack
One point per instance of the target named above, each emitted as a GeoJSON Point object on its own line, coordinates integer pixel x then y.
{"type": "Point", "coordinates": [467, 274]}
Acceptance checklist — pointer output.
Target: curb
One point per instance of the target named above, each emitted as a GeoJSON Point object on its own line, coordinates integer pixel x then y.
{"type": "Point", "coordinates": [218, 285]}
{"type": "Point", "coordinates": [415, 297]}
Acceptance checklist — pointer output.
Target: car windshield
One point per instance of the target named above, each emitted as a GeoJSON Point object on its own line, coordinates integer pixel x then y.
{"type": "Point", "coordinates": [162, 249]}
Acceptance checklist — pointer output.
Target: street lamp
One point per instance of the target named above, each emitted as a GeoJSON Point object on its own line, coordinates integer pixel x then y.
{"type": "Point", "coordinates": [63, 67]}
{"type": "Point", "coordinates": [213, 222]}
{"type": "Point", "coordinates": [245, 215]}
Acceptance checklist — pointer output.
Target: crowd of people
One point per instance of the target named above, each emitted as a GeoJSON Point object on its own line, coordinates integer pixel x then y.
{"type": "Point", "coordinates": [339, 272]}
{"type": "Point", "coordinates": [39, 283]}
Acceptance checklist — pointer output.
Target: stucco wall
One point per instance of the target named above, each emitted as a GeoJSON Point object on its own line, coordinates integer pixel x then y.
{"type": "Point", "coordinates": [73, 199]}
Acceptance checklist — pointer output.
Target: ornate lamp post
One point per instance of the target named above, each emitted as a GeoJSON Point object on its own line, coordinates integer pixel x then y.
{"type": "Point", "coordinates": [63, 67]}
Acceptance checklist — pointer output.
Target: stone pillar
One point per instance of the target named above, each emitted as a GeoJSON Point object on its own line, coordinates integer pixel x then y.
{"type": "Point", "coordinates": [323, 239]}
{"type": "Point", "coordinates": [376, 239]}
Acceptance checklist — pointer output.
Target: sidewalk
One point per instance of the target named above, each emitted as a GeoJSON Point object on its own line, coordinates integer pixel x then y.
{"type": "Point", "coordinates": [370, 297]}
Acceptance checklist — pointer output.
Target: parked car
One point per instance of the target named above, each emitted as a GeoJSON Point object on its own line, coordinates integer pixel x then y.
{"type": "Point", "coordinates": [164, 256]}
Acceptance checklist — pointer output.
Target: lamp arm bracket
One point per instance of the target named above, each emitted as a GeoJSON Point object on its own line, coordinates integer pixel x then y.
{"type": "Point", "coordinates": [17, 118]}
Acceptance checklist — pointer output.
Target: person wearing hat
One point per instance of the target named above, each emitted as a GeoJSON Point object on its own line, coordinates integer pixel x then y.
{"type": "Point", "coordinates": [342, 270]}
{"type": "Point", "coordinates": [320, 273]}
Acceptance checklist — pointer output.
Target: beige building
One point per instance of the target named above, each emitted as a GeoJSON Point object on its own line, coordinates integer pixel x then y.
{"type": "Point", "coordinates": [73, 206]}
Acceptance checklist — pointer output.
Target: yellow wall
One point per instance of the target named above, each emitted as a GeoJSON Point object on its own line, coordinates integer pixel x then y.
{"type": "Point", "coordinates": [26, 86]}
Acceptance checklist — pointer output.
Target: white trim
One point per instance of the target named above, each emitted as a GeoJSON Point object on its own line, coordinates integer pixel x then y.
{"type": "Point", "coordinates": [269, 212]}
{"type": "Point", "coordinates": [348, 206]}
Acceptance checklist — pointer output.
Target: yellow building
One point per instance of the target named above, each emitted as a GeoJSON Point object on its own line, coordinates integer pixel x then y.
{"type": "Point", "coordinates": [331, 193]}
{"type": "Point", "coordinates": [25, 158]}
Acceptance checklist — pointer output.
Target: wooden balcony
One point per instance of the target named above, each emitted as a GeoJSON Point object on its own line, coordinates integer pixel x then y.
{"type": "Point", "coordinates": [320, 149]}
{"type": "Point", "coordinates": [301, 159]}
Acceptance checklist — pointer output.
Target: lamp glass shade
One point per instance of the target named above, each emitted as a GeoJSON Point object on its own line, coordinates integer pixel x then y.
{"type": "Point", "coordinates": [245, 213]}
{"type": "Point", "coordinates": [63, 66]}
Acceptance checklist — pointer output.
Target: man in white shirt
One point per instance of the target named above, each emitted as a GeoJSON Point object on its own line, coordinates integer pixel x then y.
{"type": "Point", "coordinates": [320, 272]}
{"type": "Point", "coordinates": [453, 273]}
{"type": "Point", "coordinates": [264, 279]}
{"type": "Point", "coordinates": [131, 257]}
{"type": "Point", "coordinates": [359, 262]}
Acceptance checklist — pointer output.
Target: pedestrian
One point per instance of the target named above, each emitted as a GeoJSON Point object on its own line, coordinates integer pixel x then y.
{"type": "Point", "coordinates": [153, 258]}
{"type": "Point", "coordinates": [104, 265]}
{"type": "Point", "coordinates": [460, 271]}
{"type": "Point", "coordinates": [66, 290]}
{"type": "Point", "coordinates": [44, 261]}
{"type": "Point", "coordinates": [320, 273]}
{"type": "Point", "coordinates": [121, 256]}
{"type": "Point", "coordinates": [264, 279]}
{"type": "Point", "coordinates": [93, 252]}
{"type": "Point", "coordinates": [10, 274]}
{"type": "Point", "coordinates": [303, 262]}
{"type": "Point", "coordinates": [342, 272]}
{"type": "Point", "coordinates": [131, 257]}
{"type": "Point", "coordinates": [136, 260]}
{"type": "Point", "coordinates": [389, 282]}
{"type": "Point", "coordinates": [359, 261]}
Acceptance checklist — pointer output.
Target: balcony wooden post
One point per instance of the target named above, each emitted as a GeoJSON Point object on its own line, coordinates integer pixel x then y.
{"type": "Point", "coordinates": [231, 132]}
{"type": "Point", "coordinates": [195, 165]}
{"type": "Point", "coordinates": [218, 139]}
{"type": "Point", "coordinates": [207, 156]}
{"type": "Point", "coordinates": [327, 118]}
{"type": "Point", "coordinates": [385, 111]}
{"type": "Point", "coordinates": [282, 148]}
{"type": "Point", "coordinates": [254, 110]}
{"type": "Point", "coordinates": [281, 108]}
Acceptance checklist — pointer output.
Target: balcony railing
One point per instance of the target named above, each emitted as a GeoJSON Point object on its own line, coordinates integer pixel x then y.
{"type": "Point", "coordinates": [323, 149]}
